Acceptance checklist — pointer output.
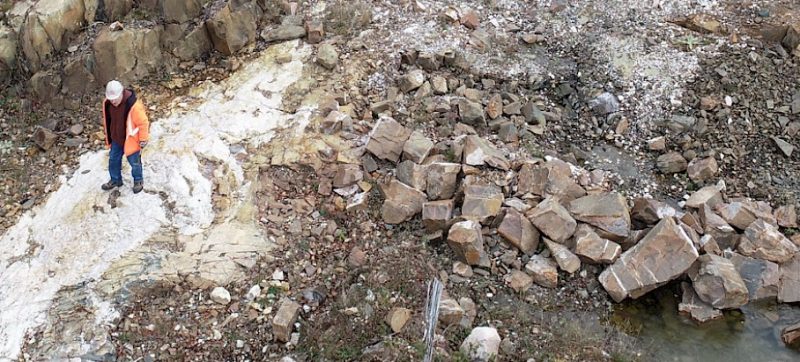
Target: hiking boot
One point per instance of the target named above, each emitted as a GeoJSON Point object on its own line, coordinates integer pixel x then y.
{"type": "Point", "coordinates": [110, 185]}
{"type": "Point", "coordinates": [138, 186]}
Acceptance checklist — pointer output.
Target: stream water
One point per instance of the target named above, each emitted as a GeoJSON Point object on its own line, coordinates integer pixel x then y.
{"type": "Point", "coordinates": [750, 334]}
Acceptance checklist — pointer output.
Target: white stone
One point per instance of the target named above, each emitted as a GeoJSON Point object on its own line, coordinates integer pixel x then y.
{"type": "Point", "coordinates": [482, 344]}
{"type": "Point", "coordinates": [221, 295]}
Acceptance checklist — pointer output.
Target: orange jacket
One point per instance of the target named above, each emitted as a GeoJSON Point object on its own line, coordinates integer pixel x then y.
{"type": "Point", "coordinates": [137, 127]}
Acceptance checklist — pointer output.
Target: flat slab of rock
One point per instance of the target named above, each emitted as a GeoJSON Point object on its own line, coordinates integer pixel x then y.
{"type": "Point", "coordinates": [790, 281]}
{"type": "Point", "coordinates": [283, 323]}
{"type": "Point", "coordinates": [717, 282]}
{"type": "Point", "coordinates": [764, 241]}
{"type": "Point", "coordinates": [566, 260]}
{"type": "Point", "coordinates": [543, 270]}
{"type": "Point", "coordinates": [761, 277]}
{"type": "Point", "coordinates": [387, 139]}
{"type": "Point", "coordinates": [709, 195]}
{"type": "Point", "coordinates": [466, 241]}
{"type": "Point", "coordinates": [553, 220]}
{"type": "Point", "coordinates": [591, 248]}
{"type": "Point", "coordinates": [736, 214]}
{"type": "Point", "coordinates": [436, 215]}
{"type": "Point", "coordinates": [402, 202]}
{"type": "Point", "coordinates": [481, 202]}
{"type": "Point", "coordinates": [442, 180]}
{"type": "Point", "coordinates": [479, 152]}
{"type": "Point", "coordinates": [695, 307]}
{"type": "Point", "coordinates": [663, 255]}
{"type": "Point", "coordinates": [519, 231]}
{"type": "Point", "coordinates": [607, 211]}
{"type": "Point", "coordinates": [671, 162]}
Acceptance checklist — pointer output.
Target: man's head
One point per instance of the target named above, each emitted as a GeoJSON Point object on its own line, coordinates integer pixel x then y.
{"type": "Point", "coordinates": [114, 91]}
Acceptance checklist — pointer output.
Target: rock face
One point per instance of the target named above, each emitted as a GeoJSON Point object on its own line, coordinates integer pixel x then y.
{"type": "Point", "coordinates": [702, 169]}
{"type": "Point", "coordinates": [127, 55]}
{"type": "Point", "coordinates": [764, 241]}
{"type": "Point", "coordinates": [387, 139]}
{"type": "Point", "coordinates": [519, 232]}
{"type": "Point", "coordinates": [442, 180]}
{"type": "Point", "coordinates": [608, 211]}
{"type": "Point", "coordinates": [195, 44]}
{"type": "Point", "coordinates": [481, 345]}
{"type": "Point", "coordinates": [48, 28]}
{"type": "Point", "coordinates": [402, 202]}
{"type": "Point", "coordinates": [481, 202]}
{"type": "Point", "coordinates": [671, 162]}
{"type": "Point", "coordinates": [717, 282]}
{"type": "Point", "coordinates": [553, 220]}
{"type": "Point", "coordinates": [466, 240]}
{"type": "Point", "coordinates": [790, 281]}
{"type": "Point", "coordinates": [697, 309]}
{"type": "Point", "coordinates": [181, 11]}
{"type": "Point", "coordinates": [566, 260]}
{"type": "Point", "coordinates": [661, 256]}
{"type": "Point", "coordinates": [543, 270]}
{"type": "Point", "coordinates": [284, 320]}
{"type": "Point", "coordinates": [479, 152]}
{"type": "Point", "coordinates": [761, 277]}
{"type": "Point", "coordinates": [436, 215]}
{"type": "Point", "coordinates": [592, 248]}
{"type": "Point", "coordinates": [233, 27]}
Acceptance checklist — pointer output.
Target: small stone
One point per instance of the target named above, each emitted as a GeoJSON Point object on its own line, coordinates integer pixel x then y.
{"type": "Point", "coordinates": [791, 336]}
{"type": "Point", "coordinates": [357, 257]}
{"type": "Point", "coordinates": [462, 269]}
{"type": "Point", "coordinates": [397, 318]}
{"type": "Point", "coordinates": [411, 81]}
{"type": "Point", "coordinates": [709, 195]}
{"type": "Point", "coordinates": [672, 162]}
{"type": "Point", "coordinates": [220, 295]}
{"type": "Point", "coordinates": [482, 344]}
{"type": "Point", "coordinates": [284, 320]}
{"type": "Point", "coordinates": [508, 132]}
{"type": "Point", "coordinates": [784, 146]}
{"type": "Point", "coordinates": [439, 85]}
{"type": "Point", "coordinates": [387, 139]}
{"type": "Point", "coordinates": [327, 56]}
{"type": "Point", "coordinates": [553, 220]}
{"type": "Point", "coordinates": [702, 169]}
{"type": "Point", "coordinates": [471, 112]}
{"type": "Point", "coordinates": [657, 144]}
{"type": "Point", "coordinates": [347, 175]}
{"type": "Point", "coordinates": [76, 129]}
{"type": "Point", "coordinates": [494, 108]}
{"type": "Point", "coordinates": [44, 138]}
{"type": "Point", "coordinates": [519, 281]}
{"type": "Point", "coordinates": [253, 293]}
{"type": "Point", "coordinates": [566, 260]}
{"type": "Point", "coordinates": [466, 241]}
{"type": "Point", "coordinates": [479, 152]}
{"type": "Point", "coordinates": [592, 248]}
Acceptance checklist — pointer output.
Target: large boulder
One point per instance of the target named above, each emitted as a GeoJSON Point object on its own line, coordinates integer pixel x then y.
{"type": "Point", "coordinates": [761, 277]}
{"type": "Point", "coordinates": [466, 241]}
{"type": "Point", "coordinates": [790, 281]}
{"type": "Point", "coordinates": [553, 220]}
{"type": "Point", "coordinates": [387, 139]}
{"type": "Point", "coordinates": [195, 43]}
{"type": "Point", "coordinates": [709, 195]}
{"type": "Point", "coordinates": [8, 51]}
{"type": "Point", "coordinates": [233, 27]}
{"type": "Point", "coordinates": [717, 282]}
{"type": "Point", "coordinates": [436, 215]}
{"type": "Point", "coordinates": [593, 249]}
{"type": "Point", "coordinates": [763, 241]}
{"type": "Point", "coordinates": [127, 54]}
{"type": "Point", "coordinates": [442, 179]}
{"type": "Point", "coordinates": [402, 202]}
{"type": "Point", "coordinates": [519, 231]}
{"type": "Point", "coordinates": [532, 179]}
{"type": "Point", "coordinates": [479, 152]}
{"type": "Point", "coordinates": [650, 211]}
{"type": "Point", "coordinates": [607, 211]}
{"type": "Point", "coordinates": [48, 28]}
{"type": "Point", "coordinates": [736, 214]}
{"type": "Point", "coordinates": [663, 255]}
{"type": "Point", "coordinates": [724, 234]}
{"type": "Point", "coordinates": [481, 202]}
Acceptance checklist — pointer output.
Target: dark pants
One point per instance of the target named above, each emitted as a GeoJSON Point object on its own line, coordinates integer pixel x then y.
{"type": "Point", "coordinates": [115, 164]}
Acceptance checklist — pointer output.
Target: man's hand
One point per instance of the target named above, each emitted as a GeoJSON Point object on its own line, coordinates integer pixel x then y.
{"type": "Point", "coordinates": [142, 144]}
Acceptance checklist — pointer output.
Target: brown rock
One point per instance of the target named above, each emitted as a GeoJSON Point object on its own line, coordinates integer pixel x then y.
{"type": "Point", "coordinates": [695, 307]}
{"type": "Point", "coordinates": [717, 282]}
{"type": "Point", "coordinates": [792, 39]}
{"type": "Point", "coordinates": [479, 152]}
{"type": "Point", "coordinates": [543, 270]}
{"type": "Point", "coordinates": [442, 180]}
{"type": "Point", "coordinates": [462, 269]}
{"type": "Point", "coordinates": [347, 175]}
{"type": "Point", "coordinates": [466, 240]}
{"type": "Point", "coordinates": [663, 255]}
{"type": "Point", "coordinates": [657, 144]}
{"type": "Point", "coordinates": [702, 169]}
{"type": "Point", "coordinates": [519, 281]}
{"type": "Point", "coordinates": [553, 220]}
{"type": "Point", "coordinates": [48, 27]}
{"type": "Point", "coordinates": [357, 257]}
{"type": "Point", "coordinates": [436, 215]}
{"type": "Point", "coordinates": [786, 216]}
{"type": "Point", "coordinates": [481, 202]}
{"type": "Point", "coordinates": [402, 202]}
{"type": "Point", "coordinates": [411, 81]}
{"type": "Point", "coordinates": [736, 214]}
{"type": "Point", "coordinates": [44, 138]}
{"type": "Point", "coordinates": [607, 211]}
{"type": "Point", "coordinates": [519, 232]}
{"type": "Point", "coordinates": [709, 195]}
{"type": "Point", "coordinates": [126, 55]}
{"type": "Point", "coordinates": [412, 174]}
{"type": "Point", "coordinates": [428, 61]}
{"type": "Point", "coordinates": [764, 241]}
{"type": "Point", "coordinates": [450, 312]}
{"type": "Point", "coordinates": [387, 139]}
{"type": "Point", "coordinates": [703, 23]}
{"type": "Point", "coordinates": [560, 183]}
{"type": "Point", "coordinates": [495, 107]}
{"type": "Point", "coordinates": [397, 318]}
{"type": "Point", "coordinates": [532, 179]}
{"type": "Point", "coordinates": [791, 334]}
{"type": "Point", "coordinates": [566, 260]}
{"type": "Point", "coordinates": [709, 245]}
{"type": "Point", "coordinates": [592, 248]}
{"type": "Point", "coordinates": [315, 32]}
{"type": "Point", "coordinates": [470, 19]}
{"type": "Point", "coordinates": [650, 211]}
{"type": "Point", "coordinates": [761, 277]}
{"type": "Point", "coordinates": [672, 162]}
{"type": "Point", "coordinates": [417, 147]}
{"type": "Point", "coordinates": [283, 323]}
{"type": "Point", "coordinates": [233, 27]}
{"type": "Point", "coordinates": [790, 281]}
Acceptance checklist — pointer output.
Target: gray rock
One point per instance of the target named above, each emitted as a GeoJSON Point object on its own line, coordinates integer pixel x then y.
{"type": "Point", "coordinates": [593, 249]}
{"type": "Point", "coordinates": [471, 113]}
{"type": "Point", "coordinates": [761, 277]}
{"type": "Point", "coordinates": [717, 282]}
{"type": "Point", "coordinates": [543, 270]}
{"type": "Point", "coordinates": [387, 139]}
{"type": "Point", "coordinates": [283, 32]}
{"type": "Point", "coordinates": [697, 309]}
{"type": "Point", "coordinates": [566, 260]}
{"type": "Point", "coordinates": [607, 211]}
{"type": "Point", "coordinates": [553, 220]}
{"type": "Point", "coordinates": [220, 295]}
{"type": "Point", "coordinates": [784, 146]}
{"type": "Point", "coordinates": [481, 202]}
{"type": "Point", "coordinates": [604, 104]}
{"type": "Point", "coordinates": [412, 174]}
{"type": "Point", "coordinates": [44, 138]}
{"type": "Point", "coordinates": [442, 180]}
{"type": "Point", "coordinates": [411, 81]}
{"type": "Point", "coordinates": [417, 147]}
{"type": "Point", "coordinates": [327, 56]}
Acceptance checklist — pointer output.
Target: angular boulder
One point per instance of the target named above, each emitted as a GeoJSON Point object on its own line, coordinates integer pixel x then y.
{"type": "Point", "coordinates": [736, 214]}
{"type": "Point", "coordinates": [702, 169]}
{"type": "Point", "coordinates": [591, 248]}
{"type": "Point", "coordinates": [790, 281]}
{"type": "Point", "coordinates": [519, 231]}
{"type": "Point", "coordinates": [607, 211]}
{"type": "Point", "coordinates": [650, 211]}
{"type": "Point", "coordinates": [764, 241]}
{"type": "Point", "coordinates": [786, 216]}
{"type": "Point", "coordinates": [450, 312]}
{"type": "Point", "coordinates": [417, 147]}
{"type": "Point", "coordinates": [543, 270]}
{"type": "Point", "coordinates": [532, 179]}
{"type": "Point", "coordinates": [471, 112]}
{"type": "Point", "coordinates": [519, 281]}
{"type": "Point", "coordinates": [696, 308]}
{"type": "Point", "coordinates": [724, 234]}
{"type": "Point", "coordinates": [347, 175]}
{"type": "Point", "coordinates": [402, 202]}
{"type": "Point", "coordinates": [436, 215]}
{"type": "Point", "coordinates": [442, 179]}
{"type": "Point", "coordinates": [709, 195]}
{"type": "Point", "coordinates": [482, 344]}
{"type": "Point", "coordinates": [233, 27]}
{"type": "Point", "coordinates": [761, 277]}
{"type": "Point", "coordinates": [283, 323]}
{"type": "Point", "coordinates": [553, 220]}
{"type": "Point", "coordinates": [479, 152]}
{"type": "Point", "coordinates": [671, 162]}
{"type": "Point", "coordinates": [481, 202]}
{"type": "Point", "coordinates": [387, 139]}
{"type": "Point", "coordinates": [412, 174]}
{"type": "Point", "coordinates": [717, 282]}
{"type": "Point", "coordinates": [411, 81]}
{"type": "Point", "coordinates": [466, 241]}
{"type": "Point", "coordinates": [663, 255]}
{"type": "Point", "coordinates": [566, 260]}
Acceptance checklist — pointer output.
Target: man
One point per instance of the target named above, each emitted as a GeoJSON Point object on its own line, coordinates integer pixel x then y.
{"type": "Point", "coordinates": [127, 131]}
